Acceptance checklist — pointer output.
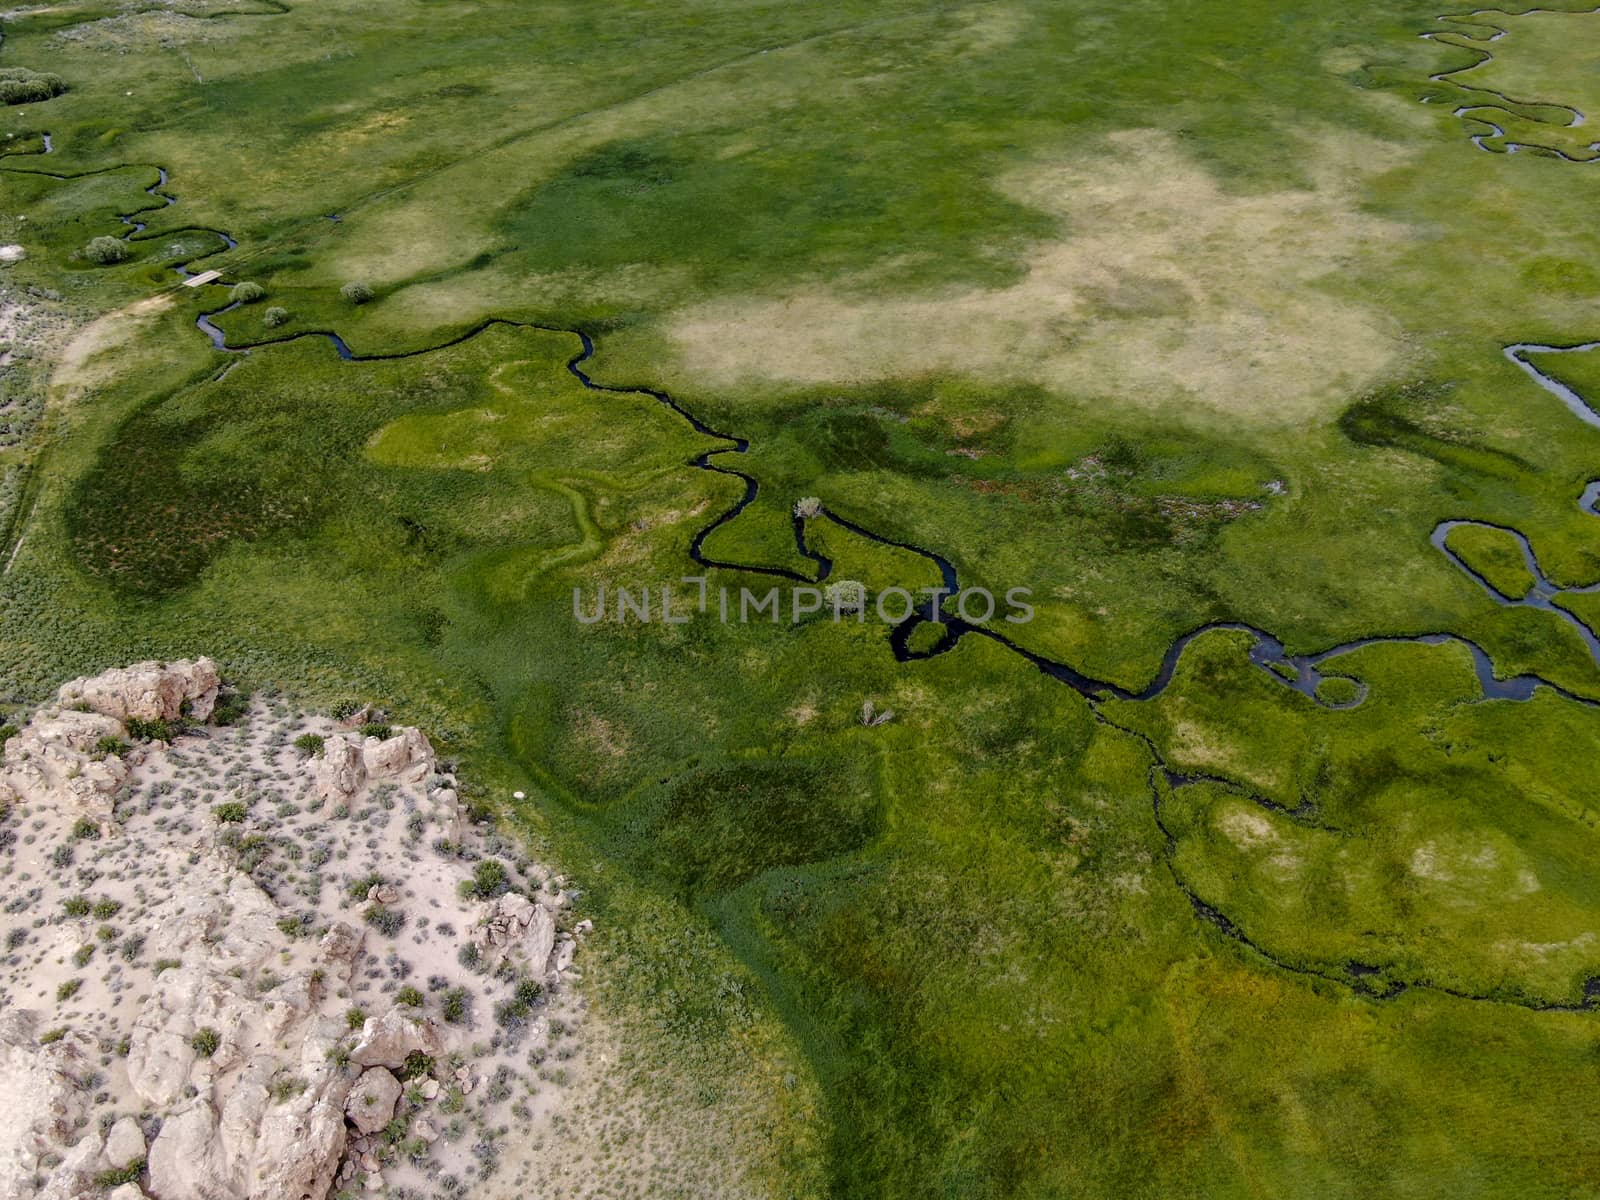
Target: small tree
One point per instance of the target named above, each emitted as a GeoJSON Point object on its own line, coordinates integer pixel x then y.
{"type": "Point", "coordinates": [356, 292]}
{"type": "Point", "coordinates": [274, 317]}
{"type": "Point", "coordinates": [106, 250]}
{"type": "Point", "coordinates": [247, 292]}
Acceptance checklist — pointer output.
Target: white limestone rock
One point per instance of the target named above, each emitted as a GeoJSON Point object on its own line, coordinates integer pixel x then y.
{"type": "Point", "coordinates": [370, 1104]}
{"type": "Point", "coordinates": [149, 691]}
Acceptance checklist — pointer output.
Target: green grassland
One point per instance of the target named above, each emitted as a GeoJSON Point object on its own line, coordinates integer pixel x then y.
{"type": "Point", "coordinates": [1174, 313]}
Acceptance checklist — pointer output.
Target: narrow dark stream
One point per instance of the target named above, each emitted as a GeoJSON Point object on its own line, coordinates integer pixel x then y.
{"type": "Point", "coordinates": [1498, 101]}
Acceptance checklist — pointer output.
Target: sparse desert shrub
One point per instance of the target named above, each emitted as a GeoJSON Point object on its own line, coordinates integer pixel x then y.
{"type": "Point", "coordinates": [76, 906]}
{"type": "Point", "coordinates": [456, 1005]}
{"type": "Point", "coordinates": [356, 292]}
{"type": "Point", "coordinates": [68, 989]}
{"type": "Point", "coordinates": [417, 1064]}
{"type": "Point", "coordinates": [346, 709]}
{"type": "Point", "coordinates": [104, 251]}
{"type": "Point", "coordinates": [247, 292]}
{"type": "Point", "coordinates": [409, 996]}
{"type": "Point", "coordinates": [387, 921]}
{"type": "Point", "coordinates": [61, 856]}
{"type": "Point", "coordinates": [110, 745]}
{"type": "Point", "coordinates": [358, 887]}
{"type": "Point", "coordinates": [309, 744]}
{"type": "Point", "coordinates": [82, 955]}
{"type": "Point", "coordinates": [104, 910]}
{"type": "Point", "coordinates": [529, 991]}
{"type": "Point", "coordinates": [230, 813]}
{"type": "Point", "coordinates": [83, 828]}
{"type": "Point", "coordinates": [7, 732]}
{"type": "Point", "coordinates": [152, 731]}
{"type": "Point", "coordinates": [287, 1088]}
{"type": "Point", "coordinates": [355, 1018]}
{"type": "Point", "coordinates": [488, 880]}
{"type": "Point", "coordinates": [117, 1176]}
{"type": "Point", "coordinates": [376, 729]}
{"type": "Point", "coordinates": [233, 705]}
{"type": "Point", "coordinates": [205, 1041]}
{"type": "Point", "coordinates": [52, 1035]}
{"type": "Point", "coordinates": [275, 316]}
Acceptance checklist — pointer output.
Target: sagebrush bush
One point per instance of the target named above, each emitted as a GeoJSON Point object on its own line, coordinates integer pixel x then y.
{"type": "Point", "coordinates": [387, 921]}
{"type": "Point", "coordinates": [488, 880]}
{"type": "Point", "coordinates": [274, 317]}
{"type": "Point", "coordinates": [456, 1005]}
{"type": "Point", "coordinates": [158, 730]}
{"type": "Point", "coordinates": [231, 706]}
{"type": "Point", "coordinates": [356, 292]}
{"type": "Point", "coordinates": [106, 250]}
{"type": "Point", "coordinates": [247, 292]}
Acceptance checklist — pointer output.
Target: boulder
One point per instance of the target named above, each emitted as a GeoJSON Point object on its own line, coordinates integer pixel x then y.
{"type": "Point", "coordinates": [515, 927]}
{"type": "Point", "coordinates": [407, 756]}
{"type": "Point", "coordinates": [446, 812]}
{"type": "Point", "coordinates": [562, 959]}
{"type": "Point", "coordinates": [54, 763]}
{"type": "Point", "coordinates": [370, 1104]}
{"type": "Point", "coordinates": [74, 1177]}
{"type": "Point", "coordinates": [385, 1041]}
{"type": "Point", "coordinates": [187, 1159]}
{"type": "Point", "coordinates": [340, 770]}
{"type": "Point", "coordinates": [301, 1143]}
{"type": "Point", "coordinates": [124, 1143]}
{"type": "Point", "coordinates": [149, 691]}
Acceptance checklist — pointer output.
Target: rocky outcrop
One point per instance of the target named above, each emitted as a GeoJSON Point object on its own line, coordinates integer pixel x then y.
{"type": "Point", "coordinates": [258, 1121]}
{"type": "Point", "coordinates": [124, 1144]}
{"type": "Point", "coordinates": [339, 771]}
{"type": "Point", "coordinates": [256, 924]}
{"type": "Point", "coordinates": [41, 1096]}
{"type": "Point", "coordinates": [149, 691]}
{"type": "Point", "coordinates": [386, 1041]}
{"type": "Point", "coordinates": [406, 755]}
{"type": "Point", "coordinates": [56, 762]}
{"type": "Point", "coordinates": [515, 927]}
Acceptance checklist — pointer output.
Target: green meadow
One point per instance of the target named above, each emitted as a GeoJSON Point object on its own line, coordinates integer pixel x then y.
{"type": "Point", "coordinates": [1176, 314]}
